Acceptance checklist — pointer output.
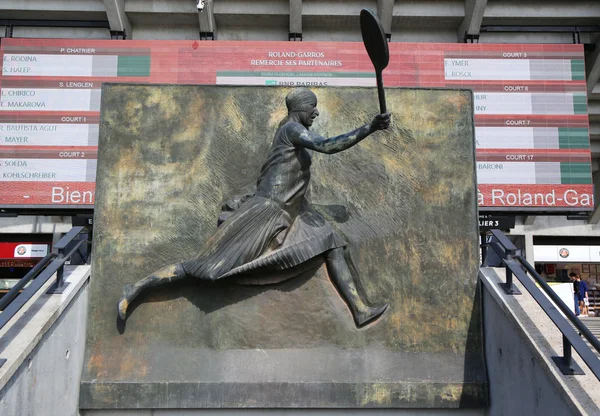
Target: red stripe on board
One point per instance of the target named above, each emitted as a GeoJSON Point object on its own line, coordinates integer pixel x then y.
{"type": "Point", "coordinates": [533, 155]}
{"type": "Point", "coordinates": [512, 54]}
{"type": "Point", "coordinates": [7, 250]}
{"type": "Point", "coordinates": [44, 193]}
{"type": "Point", "coordinates": [544, 196]}
{"type": "Point", "coordinates": [66, 82]}
{"type": "Point", "coordinates": [537, 120]}
{"type": "Point", "coordinates": [521, 86]}
{"type": "Point", "coordinates": [67, 51]}
{"type": "Point", "coordinates": [50, 117]}
{"type": "Point", "coordinates": [49, 152]}
{"type": "Point", "coordinates": [36, 82]}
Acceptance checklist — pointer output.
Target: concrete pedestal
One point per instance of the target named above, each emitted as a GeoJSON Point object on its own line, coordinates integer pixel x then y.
{"type": "Point", "coordinates": [404, 200]}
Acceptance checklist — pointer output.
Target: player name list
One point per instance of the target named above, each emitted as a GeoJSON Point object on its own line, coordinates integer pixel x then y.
{"type": "Point", "coordinates": [28, 95]}
{"type": "Point", "coordinates": [49, 111]}
{"type": "Point", "coordinates": [545, 140]}
{"type": "Point", "coordinates": [75, 62]}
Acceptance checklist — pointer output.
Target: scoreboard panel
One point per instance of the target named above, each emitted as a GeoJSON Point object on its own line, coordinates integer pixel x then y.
{"type": "Point", "coordinates": [530, 106]}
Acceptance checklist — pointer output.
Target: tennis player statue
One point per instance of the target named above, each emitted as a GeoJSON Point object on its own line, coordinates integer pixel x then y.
{"type": "Point", "coordinates": [273, 230]}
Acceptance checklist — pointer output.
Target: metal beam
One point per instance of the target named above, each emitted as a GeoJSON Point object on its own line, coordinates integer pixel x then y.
{"type": "Point", "coordinates": [594, 147]}
{"type": "Point", "coordinates": [56, 23]}
{"type": "Point", "coordinates": [385, 10]}
{"type": "Point", "coordinates": [118, 20]}
{"type": "Point", "coordinates": [593, 66]}
{"type": "Point", "coordinates": [539, 28]}
{"type": "Point", "coordinates": [472, 22]}
{"type": "Point", "coordinates": [595, 217]}
{"type": "Point", "coordinates": [295, 19]}
{"type": "Point", "coordinates": [206, 19]}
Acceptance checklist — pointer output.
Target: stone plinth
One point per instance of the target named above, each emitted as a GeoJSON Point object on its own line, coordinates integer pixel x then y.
{"type": "Point", "coordinates": [404, 200]}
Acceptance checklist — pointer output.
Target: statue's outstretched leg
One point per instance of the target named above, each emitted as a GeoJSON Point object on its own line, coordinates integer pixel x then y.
{"type": "Point", "coordinates": [342, 272]}
{"type": "Point", "coordinates": [163, 276]}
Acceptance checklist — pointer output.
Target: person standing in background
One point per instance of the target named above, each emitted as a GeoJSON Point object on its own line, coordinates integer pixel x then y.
{"type": "Point", "coordinates": [575, 282]}
{"type": "Point", "coordinates": [583, 296]}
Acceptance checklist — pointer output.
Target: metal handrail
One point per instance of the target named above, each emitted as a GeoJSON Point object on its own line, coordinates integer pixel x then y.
{"type": "Point", "coordinates": [514, 265]}
{"type": "Point", "coordinates": [51, 264]}
{"type": "Point", "coordinates": [14, 291]}
{"type": "Point", "coordinates": [68, 237]}
{"type": "Point", "coordinates": [564, 308]}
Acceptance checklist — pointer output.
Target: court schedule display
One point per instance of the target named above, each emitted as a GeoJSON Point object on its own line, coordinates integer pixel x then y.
{"type": "Point", "coordinates": [531, 122]}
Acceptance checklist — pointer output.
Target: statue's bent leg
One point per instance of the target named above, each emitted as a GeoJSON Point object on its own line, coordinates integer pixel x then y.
{"type": "Point", "coordinates": [163, 276]}
{"type": "Point", "coordinates": [342, 272]}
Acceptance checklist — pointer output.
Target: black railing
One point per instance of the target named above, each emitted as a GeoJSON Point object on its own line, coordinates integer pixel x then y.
{"type": "Point", "coordinates": [50, 265]}
{"type": "Point", "coordinates": [519, 267]}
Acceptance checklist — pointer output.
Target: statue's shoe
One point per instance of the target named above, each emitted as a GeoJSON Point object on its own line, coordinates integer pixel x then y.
{"type": "Point", "coordinates": [370, 315]}
{"type": "Point", "coordinates": [123, 303]}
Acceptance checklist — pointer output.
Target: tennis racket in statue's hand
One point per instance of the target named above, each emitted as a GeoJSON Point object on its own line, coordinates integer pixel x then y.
{"type": "Point", "coordinates": [377, 48]}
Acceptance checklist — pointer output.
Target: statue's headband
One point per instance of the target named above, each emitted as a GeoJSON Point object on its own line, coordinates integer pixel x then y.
{"type": "Point", "coordinates": [300, 100]}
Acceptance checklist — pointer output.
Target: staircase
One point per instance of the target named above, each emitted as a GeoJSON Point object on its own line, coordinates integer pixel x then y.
{"type": "Point", "coordinates": [593, 325]}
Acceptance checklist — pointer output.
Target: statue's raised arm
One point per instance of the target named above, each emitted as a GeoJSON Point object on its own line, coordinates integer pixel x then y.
{"type": "Point", "coordinates": [302, 108]}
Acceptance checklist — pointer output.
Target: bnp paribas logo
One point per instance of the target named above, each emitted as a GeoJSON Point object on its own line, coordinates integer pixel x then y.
{"type": "Point", "coordinates": [270, 82]}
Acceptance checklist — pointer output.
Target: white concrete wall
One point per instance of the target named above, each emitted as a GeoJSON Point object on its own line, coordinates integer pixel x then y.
{"type": "Point", "coordinates": [60, 32]}
{"type": "Point", "coordinates": [44, 350]}
{"type": "Point", "coordinates": [25, 224]}
{"type": "Point", "coordinates": [499, 37]}
{"type": "Point", "coordinates": [288, 412]}
{"type": "Point", "coordinates": [254, 33]}
{"type": "Point", "coordinates": [557, 226]}
{"type": "Point", "coordinates": [518, 385]}
{"type": "Point", "coordinates": [163, 32]}
{"type": "Point", "coordinates": [552, 226]}
{"type": "Point", "coordinates": [519, 341]}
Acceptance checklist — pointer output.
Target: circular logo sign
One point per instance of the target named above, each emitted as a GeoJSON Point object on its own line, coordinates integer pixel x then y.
{"type": "Point", "coordinates": [21, 250]}
{"type": "Point", "coordinates": [563, 253]}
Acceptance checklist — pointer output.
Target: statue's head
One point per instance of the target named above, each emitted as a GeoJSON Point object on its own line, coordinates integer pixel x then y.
{"type": "Point", "coordinates": [302, 104]}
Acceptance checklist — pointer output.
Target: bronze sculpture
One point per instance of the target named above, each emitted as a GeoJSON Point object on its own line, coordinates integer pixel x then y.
{"type": "Point", "coordinates": [274, 229]}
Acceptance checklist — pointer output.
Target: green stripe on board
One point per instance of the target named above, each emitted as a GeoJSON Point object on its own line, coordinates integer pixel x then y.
{"type": "Point", "coordinates": [573, 138]}
{"type": "Point", "coordinates": [575, 173]}
{"type": "Point", "coordinates": [577, 69]}
{"type": "Point", "coordinates": [273, 74]}
{"type": "Point", "coordinates": [580, 103]}
{"type": "Point", "coordinates": [133, 66]}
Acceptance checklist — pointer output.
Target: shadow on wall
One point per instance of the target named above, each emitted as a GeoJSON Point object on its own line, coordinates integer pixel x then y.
{"type": "Point", "coordinates": [475, 368]}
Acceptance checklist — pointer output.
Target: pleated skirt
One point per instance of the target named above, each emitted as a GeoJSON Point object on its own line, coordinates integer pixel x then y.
{"type": "Point", "coordinates": [261, 236]}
